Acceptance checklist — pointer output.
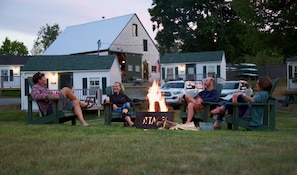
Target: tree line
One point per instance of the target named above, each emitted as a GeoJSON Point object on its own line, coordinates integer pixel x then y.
{"type": "Point", "coordinates": [262, 32]}
{"type": "Point", "coordinates": [45, 37]}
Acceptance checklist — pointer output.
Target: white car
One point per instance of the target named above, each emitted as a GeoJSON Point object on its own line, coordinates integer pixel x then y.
{"type": "Point", "coordinates": [229, 87]}
{"type": "Point", "coordinates": [174, 90]}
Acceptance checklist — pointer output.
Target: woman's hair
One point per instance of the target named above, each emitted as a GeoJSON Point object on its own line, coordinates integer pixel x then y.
{"type": "Point", "coordinates": [121, 86]}
{"type": "Point", "coordinates": [37, 76]}
{"type": "Point", "coordinates": [265, 83]}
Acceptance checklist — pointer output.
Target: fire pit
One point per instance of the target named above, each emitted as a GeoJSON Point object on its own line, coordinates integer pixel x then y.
{"type": "Point", "coordinates": [157, 113]}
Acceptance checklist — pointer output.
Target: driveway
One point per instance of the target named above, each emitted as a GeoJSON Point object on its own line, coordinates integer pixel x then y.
{"type": "Point", "coordinates": [7, 101]}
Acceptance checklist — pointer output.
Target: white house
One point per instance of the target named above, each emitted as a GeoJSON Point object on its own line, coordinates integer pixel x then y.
{"type": "Point", "coordinates": [292, 73]}
{"type": "Point", "coordinates": [10, 70]}
{"type": "Point", "coordinates": [86, 73]}
{"type": "Point", "coordinates": [118, 36]}
{"type": "Point", "coordinates": [193, 66]}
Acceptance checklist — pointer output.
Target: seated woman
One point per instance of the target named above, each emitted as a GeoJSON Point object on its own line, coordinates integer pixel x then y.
{"type": "Point", "coordinates": [255, 113]}
{"type": "Point", "coordinates": [121, 102]}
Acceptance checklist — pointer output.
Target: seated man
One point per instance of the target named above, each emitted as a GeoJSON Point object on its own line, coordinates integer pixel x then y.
{"type": "Point", "coordinates": [40, 93]}
{"type": "Point", "coordinates": [208, 95]}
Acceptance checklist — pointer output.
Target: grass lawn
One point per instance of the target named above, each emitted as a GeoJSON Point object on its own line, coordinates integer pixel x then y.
{"type": "Point", "coordinates": [100, 149]}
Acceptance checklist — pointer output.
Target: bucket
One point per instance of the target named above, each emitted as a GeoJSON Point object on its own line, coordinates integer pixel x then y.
{"type": "Point", "coordinates": [206, 126]}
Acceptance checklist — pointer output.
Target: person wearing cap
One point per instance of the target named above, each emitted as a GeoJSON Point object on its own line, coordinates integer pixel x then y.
{"type": "Point", "coordinates": [208, 95]}
{"type": "Point", "coordinates": [40, 93]}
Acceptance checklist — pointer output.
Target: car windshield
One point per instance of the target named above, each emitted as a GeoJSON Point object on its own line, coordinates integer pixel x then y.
{"type": "Point", "coordinates": [174, 85]}
{"type": "Point", "coordinates": [230, 85]}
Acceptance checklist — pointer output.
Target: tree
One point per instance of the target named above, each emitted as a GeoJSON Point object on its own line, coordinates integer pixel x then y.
{"type": "Point", "coordinates": [13, 48]}
{"type": "Point", "coordinates": [46, 36]}
{"type": "Point", "coordinates": [275, 19]}
{"type": "Point", "coordinates": [206, 25]}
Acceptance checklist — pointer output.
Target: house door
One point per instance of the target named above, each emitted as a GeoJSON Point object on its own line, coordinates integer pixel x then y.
{"type": "Point", "coordinates": [145, 70]}
{"type": "Point", "coordinates": [65, 80]}
{"type": "Point", "coordinates": [191, 72]}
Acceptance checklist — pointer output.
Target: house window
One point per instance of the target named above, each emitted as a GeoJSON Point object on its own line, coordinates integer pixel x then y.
{"type": "Point", "coordinates": [169, 73]}
{"type": "Point", "coordinates": [134, 30]}
{"type": "Point", "coordinates": [137, 68]}
{"type": "Point", "coordinates": [154, 68]}
{"type": "Point", "coordinates": [130, 68]}
{"type": "Point", "coordinates": [4, 75]}
{"type": "Point", "coordinates": [94, 85]}
{"type": "Point", "coordinates": [144, 45]}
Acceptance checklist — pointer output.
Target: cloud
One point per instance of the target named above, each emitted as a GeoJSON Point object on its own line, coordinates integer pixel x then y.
{"type": "Point", "coordinates": [22, 19]}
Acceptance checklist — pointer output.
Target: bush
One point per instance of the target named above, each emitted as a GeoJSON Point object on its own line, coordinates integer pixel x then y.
{"type": "Point", "coordinates": [11, 93]}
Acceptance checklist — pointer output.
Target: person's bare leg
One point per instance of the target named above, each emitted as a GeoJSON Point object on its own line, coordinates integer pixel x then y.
{"type": "Point", "coordinates": [189, 99]}
{"type": "Point", "coordinates": [128, 119]}
{"type": "Point", "coordinates": [68, 93]}
{"type": "Point", "coordinates": [125, 110]}
{"type": "Point", "coordinates": [191, 109]}
{"type": "Point", "coordinates": [78, 112]}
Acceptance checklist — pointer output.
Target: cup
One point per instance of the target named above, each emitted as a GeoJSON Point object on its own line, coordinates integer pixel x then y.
{"type": "Point", "coordinates": [107, 100]}
{"type": "Point", "coordinates": [234, 100]}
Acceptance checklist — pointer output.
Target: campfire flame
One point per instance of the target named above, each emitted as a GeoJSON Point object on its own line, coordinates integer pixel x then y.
{"type": "Point", "coordinates": [155, 97]}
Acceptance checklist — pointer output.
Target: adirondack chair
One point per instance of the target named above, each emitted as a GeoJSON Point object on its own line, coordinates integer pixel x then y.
{"type": "Point", "coordinates": [110, 116]}
{"type": "Point", "coordinates": [203, 116]}
{"type": "Point", "coordinates": [234, 121]}
{"type": "Point", "coordinates": [58, 116]}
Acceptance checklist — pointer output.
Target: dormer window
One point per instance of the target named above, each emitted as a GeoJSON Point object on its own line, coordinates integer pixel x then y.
{"type": "Point", "coordinates": [134, 30]}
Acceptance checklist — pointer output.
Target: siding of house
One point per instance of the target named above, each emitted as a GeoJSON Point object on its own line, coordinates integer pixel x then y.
{"type": "Point", "coordinates": [126, 42]}
{"type": "Point", "coordinates": [202, 64]}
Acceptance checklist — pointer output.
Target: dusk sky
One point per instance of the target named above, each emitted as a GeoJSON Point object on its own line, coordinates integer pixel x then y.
{"type": "Point", "coordinates": [22, 19]}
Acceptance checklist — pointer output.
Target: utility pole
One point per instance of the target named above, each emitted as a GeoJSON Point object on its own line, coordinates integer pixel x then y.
{"type": "Point", "coordinates": [99, 45]}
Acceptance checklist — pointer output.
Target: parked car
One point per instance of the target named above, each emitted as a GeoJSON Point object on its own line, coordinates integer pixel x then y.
{"type": "Point", "coordinates": [229, 87]}
{"type": "Point", "coordinates": [174, 90]}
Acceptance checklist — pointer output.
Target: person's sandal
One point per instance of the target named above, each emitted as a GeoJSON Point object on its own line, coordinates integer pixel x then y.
{"type": "Point", "coordinates": [88, 106]}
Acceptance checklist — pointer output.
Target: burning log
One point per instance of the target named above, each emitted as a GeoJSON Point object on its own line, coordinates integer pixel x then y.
{"type": "Point", "coordinates": [157, 107]}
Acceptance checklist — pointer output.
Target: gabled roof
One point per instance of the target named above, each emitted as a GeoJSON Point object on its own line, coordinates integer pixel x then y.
{"type": "Point", "coordinates": [68, 63]}
{"type": "Point", "coordinates": [192, 57]}
{"type": "Point", "coordinates": [84, 38]}
{"type": "Point", "coordinates": [13, 60]}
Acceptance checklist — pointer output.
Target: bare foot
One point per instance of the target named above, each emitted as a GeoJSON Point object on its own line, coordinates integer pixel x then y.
{"type": "Point", "coordinates": [85, 125]}
{"type": "Point", "coordinates": [218, 110]}
{"type": "Point", "coordinates": [216, 125]}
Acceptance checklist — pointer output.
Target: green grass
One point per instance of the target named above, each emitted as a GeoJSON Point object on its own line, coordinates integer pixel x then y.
{"type": "Point", "coordinates": [100, 149]}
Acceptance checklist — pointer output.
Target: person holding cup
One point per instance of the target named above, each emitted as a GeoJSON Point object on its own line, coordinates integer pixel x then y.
{"type": "Point", "coordinates": [253, 114]}
{"type": "Point", "coordinates": [120, 102]}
